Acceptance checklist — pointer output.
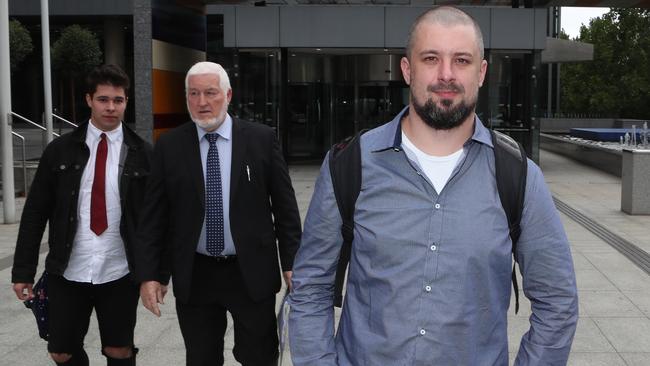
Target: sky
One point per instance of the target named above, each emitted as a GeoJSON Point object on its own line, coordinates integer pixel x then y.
{"type": "Point", "coordinates": [573, 17]}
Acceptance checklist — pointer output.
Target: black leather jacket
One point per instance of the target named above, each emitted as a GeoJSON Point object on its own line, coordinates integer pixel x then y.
{"type": "Point", "coordinates": [53, 197]}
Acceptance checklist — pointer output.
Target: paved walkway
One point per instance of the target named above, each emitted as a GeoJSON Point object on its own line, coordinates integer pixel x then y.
{"type": "Point", "coordinates": [614, 326]}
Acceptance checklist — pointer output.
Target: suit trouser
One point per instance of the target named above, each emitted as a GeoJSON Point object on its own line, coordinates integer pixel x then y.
{"type": "Point", "coordinates": [218, 287]}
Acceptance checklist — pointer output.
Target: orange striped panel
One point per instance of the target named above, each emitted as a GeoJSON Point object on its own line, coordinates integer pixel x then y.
{"type": "Point", "coordinates": [168, 92]}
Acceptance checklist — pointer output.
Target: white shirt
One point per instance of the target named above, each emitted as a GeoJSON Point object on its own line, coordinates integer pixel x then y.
{"type": "Point", "coordinates": [437, 168]}
{"type": "Point", "coordinates": [99, 259]}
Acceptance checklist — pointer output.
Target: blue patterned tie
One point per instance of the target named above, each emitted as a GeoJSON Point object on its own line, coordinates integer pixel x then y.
{"type": "Point", "coordinates": [214, 202]}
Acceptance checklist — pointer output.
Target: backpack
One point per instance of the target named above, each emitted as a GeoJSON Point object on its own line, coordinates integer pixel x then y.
{"type": "Point", "coordinates": [345, 171]}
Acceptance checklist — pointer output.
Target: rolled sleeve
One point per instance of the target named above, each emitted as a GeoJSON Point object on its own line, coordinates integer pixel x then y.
{"type": "Point", "coordinates": [548, 276]}
{"type": "Point", "coordinates": [311, 319]}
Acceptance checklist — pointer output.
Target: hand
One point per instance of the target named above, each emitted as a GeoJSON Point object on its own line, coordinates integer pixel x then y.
{"type": "Point", "coordinates": [287, 279]}
{"type": "Point", "coordinates": [19, 289]}
{"type": "Point", "coordinates": [152, 293]}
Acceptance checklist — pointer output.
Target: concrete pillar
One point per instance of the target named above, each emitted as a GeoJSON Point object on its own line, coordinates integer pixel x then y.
{"type": "Point", "coordinates": [114, 42]}
{"type": "Point", "coordinates": [47, 72]}
{"type": "Point", "coordinates": [142, 66]}
{"type": "Point", "coordinates": [635, 182]}
{"type": "Point", "coordinates": [8, 194]}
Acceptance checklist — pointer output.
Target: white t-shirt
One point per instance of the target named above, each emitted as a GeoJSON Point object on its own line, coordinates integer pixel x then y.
{"type": "Point", "coordinates": [437, 168]}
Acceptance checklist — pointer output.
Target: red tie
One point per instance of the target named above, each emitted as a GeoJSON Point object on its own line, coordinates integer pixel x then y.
{"type": "Point", "coordinates": [98, 221]}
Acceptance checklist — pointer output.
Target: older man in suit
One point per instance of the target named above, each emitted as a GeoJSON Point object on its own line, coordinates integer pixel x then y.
{"type": "Point", "coordinates": [218, 199]}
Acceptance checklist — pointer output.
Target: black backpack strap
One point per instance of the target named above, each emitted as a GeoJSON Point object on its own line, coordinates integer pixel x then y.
{"type": "Point", "coordinates": [345, 170]}
{"type": "Point", "coordinates": [511, 169]}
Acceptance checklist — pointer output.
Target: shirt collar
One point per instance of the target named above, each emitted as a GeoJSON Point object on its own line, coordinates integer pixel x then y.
{"type": "Point", "coordinates": [224, 131]}
{"type": "Point", "coordinates": [481, 133]}
{"type": "Point", "coordinates": [113, 135]}
{"type": "Point", "coordinates": [392, 139]}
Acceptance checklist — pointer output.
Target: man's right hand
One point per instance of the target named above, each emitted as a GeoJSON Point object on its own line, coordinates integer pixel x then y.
{"type": "Point", "coordinates": [152, 293]}
{"type": "Point", "coordinates": [19, 289]}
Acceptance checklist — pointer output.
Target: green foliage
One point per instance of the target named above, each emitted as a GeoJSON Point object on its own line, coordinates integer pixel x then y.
{"type": "Point", "coordinates": [74, 55]}
{"type": "Point", "coordinates": [617, 81]}
{"type": "Point", "coordinates": [20, 43]}
{"type": "Point", "coordinates": [563, 34]}
{"type": "Point", "coordinates": [76, 52]}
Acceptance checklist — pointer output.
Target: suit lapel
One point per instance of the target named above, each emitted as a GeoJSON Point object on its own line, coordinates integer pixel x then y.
{"type": "Point", "coordinates": [194, 161]}
{"type": "Point", "coordinates": [238, 154]}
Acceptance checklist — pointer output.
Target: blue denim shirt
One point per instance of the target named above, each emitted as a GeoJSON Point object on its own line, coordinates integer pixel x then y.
{"type": "Point", "coordinates": [429, 275]}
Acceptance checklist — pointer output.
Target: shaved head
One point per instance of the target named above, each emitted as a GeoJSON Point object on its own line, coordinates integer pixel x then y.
{"type": "Point", "coordinates": [447, 16]}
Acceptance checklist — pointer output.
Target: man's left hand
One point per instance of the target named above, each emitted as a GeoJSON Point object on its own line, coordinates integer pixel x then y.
{"type": "Point", "coordinates": [287, 279]}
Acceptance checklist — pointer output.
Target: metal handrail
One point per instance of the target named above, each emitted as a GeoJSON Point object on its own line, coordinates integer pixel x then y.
{"type": "Point", "coordinates": [32, 123]}
{"type": "Point", "coordinates": [22, 141]}
{"type": "Point", "coordinates": [64, 120]}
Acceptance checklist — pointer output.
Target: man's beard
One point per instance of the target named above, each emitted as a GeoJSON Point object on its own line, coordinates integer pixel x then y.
{"type": "Point", "coordinates": [210, 124]}
{"type": "Point", "coordinates": [443, 118]}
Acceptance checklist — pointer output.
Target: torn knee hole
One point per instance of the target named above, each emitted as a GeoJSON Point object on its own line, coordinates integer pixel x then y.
{"type": "Point", "coordinates": [118, 352]}
{"type": "Point", "coordinates": [60, 357]}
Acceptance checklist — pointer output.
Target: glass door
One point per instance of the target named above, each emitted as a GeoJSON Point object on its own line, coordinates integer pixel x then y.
{"type": "Point", "coordinates": [306, 112]}
{"type": "Point", "coordinates": [255, 80]}
{"type": "Point", "coordinates": [509, 95]}
{"type": "Point", "coordinates": [380, 102]}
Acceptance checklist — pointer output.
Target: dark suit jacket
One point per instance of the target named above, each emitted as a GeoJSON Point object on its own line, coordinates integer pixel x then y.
{"type": "Point", "coordinates": [261, 210]}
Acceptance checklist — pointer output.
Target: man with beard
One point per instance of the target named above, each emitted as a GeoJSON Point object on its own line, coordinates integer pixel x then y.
{"type": "Point", "coordinates": [429, 274]}
{"type": "Point", "coordinates": [218, 198]}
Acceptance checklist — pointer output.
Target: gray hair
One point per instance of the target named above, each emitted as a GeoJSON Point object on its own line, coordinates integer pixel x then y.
{"type": "Point", "coordinates": [447, 16]}
{"type": "Point", "coordinates": [206, 67]}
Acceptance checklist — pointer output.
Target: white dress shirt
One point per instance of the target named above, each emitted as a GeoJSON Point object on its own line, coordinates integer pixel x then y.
{"type": "Point", "coordinates": [99, 259]}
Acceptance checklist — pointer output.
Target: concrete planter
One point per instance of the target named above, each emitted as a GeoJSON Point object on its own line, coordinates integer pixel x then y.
{"type": "Point", "coordinates": [635, 182]}
{"type": "Point", "coordinates": [601, 158]}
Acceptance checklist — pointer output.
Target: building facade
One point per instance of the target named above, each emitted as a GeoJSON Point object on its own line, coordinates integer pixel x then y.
{"type": "Point", "coordinates": [316, 73]}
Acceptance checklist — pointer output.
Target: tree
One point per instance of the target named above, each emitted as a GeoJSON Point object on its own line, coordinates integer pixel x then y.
{"type": "Point", "coordinates": [563, 34]}
{"type": "Point", "coordinates": [20, 43]}
{"type": "Point", "coordinates": [617, 81]}
{"type": "Point", "coordinates": [74, 54]}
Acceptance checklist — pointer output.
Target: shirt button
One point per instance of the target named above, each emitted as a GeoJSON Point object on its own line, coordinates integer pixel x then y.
{"type": "Point", "coordinates": [433, 248]}
{"type": "Point", "coordinates": [423, 332]}
{"type": "Point", "coordinates": [427, 288]}
{"type": "Point", "coordinates": [437, 206]}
